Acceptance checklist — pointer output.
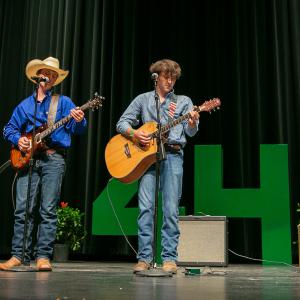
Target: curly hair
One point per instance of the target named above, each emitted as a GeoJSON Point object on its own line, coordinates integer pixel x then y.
{"type": "Point", "coordinates": [166, 66]}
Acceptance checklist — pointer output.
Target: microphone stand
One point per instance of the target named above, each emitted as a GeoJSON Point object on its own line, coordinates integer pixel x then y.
{"type": "Point", "coordinates": [25, 266]}
{"type": "Point", "coordinates": [160, 155]}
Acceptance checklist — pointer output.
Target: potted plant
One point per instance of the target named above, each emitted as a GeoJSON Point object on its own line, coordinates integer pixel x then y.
{"type": "Point", "coordinates": [70, 232]}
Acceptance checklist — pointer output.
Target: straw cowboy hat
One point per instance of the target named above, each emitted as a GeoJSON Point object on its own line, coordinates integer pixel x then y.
{"type": "Point", "coordinates": [50, 63]}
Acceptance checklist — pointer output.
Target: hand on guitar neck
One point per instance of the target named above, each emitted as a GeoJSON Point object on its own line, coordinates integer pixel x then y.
{"type": "Point", "coordinates": [194, 117]}
{"type": "Point", "coordinates": [77, 114]}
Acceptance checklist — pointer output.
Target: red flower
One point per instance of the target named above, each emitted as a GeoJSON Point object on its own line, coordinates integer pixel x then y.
{"type": "Point", "coordinates": [64, 204]}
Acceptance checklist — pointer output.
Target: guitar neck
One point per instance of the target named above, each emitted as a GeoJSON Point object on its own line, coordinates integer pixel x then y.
{"type": "Point", "coordinates": [173, 123]}
{"type": "Point", "coordinates": [61, 122]}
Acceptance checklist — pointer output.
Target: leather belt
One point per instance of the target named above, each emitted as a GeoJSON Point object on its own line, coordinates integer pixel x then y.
{"type": "Point", "coordinates": [173, 148]}
{"type": "Point", "coordinates": [50, 151]}
{"type": "Point", "coordinates": [61, 151]}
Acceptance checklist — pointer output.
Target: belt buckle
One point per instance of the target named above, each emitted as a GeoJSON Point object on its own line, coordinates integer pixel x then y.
{"type": "Point", "coordinates": [50, 151]}
{"type": "Point", "coordinates": [172, 148]}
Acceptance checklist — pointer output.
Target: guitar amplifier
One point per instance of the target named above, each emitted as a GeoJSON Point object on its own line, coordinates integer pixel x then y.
{"type": "Point", "coordinates": [202, 241]}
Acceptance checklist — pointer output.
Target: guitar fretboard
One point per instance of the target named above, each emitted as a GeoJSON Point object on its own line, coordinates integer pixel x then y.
{"type": "Point", "coordinates": [91, 104]}
{"type": "Point", "coordinates": [50, 129]}
{"type": "Point", "coordinates": [168, 126]}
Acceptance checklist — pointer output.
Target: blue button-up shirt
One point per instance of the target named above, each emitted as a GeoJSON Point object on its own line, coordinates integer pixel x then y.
{"type": "Point", "coordinates": [143, 109]}
{"type": "Point", "coordinates": [22, 121]}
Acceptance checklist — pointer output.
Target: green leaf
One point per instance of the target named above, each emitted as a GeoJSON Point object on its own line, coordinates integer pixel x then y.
{"type": "Point", "coordinates": [70, 227]}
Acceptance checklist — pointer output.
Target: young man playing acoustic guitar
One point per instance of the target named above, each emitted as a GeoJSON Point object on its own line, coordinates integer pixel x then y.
{"type": "Point", "coordinates": [49, 167]}
{"type": "Point", "coordinates": [141, 110]}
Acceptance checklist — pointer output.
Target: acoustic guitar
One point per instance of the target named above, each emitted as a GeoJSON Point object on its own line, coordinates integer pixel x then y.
{"type": "Point", "coordinates": [127, 160]}
{"type": "Point", "coordinates": [20, 160]}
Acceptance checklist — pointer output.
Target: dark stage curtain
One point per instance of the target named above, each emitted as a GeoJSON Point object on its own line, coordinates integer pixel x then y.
{"type": "Point", "coordinates": [245, 52]}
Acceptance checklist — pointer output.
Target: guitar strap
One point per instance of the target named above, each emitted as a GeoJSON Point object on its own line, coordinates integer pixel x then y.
{"type": "Point", "coordinates": [52, 110]}
{"type": "Point", "coordinates": [172, 107]}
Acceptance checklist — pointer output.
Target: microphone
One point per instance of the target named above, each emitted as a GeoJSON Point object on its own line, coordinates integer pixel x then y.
{"type": "Point", "coordinates": [154, 76]}
{"type": "Point", "coordinates": [38, 79]}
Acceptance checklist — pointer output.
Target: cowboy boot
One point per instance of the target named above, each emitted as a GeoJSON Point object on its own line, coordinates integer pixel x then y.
{"type": "Point", "coordinates": [12, 262]}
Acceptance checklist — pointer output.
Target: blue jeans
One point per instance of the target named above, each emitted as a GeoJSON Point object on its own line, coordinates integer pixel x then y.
{"type": "Point", "coordinates": [46, 180]}
{"type": "Point", "coordinates": [171, 172]}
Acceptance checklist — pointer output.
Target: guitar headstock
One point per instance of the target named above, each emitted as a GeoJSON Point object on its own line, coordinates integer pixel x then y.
{"type": "Point", "coordinates": [96, 101]}
{"type": "Point", "coordinates": [209, 105]}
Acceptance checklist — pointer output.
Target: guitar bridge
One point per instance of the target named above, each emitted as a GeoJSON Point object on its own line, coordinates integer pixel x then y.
{"type": "Point", "coordinates": [127, 150]}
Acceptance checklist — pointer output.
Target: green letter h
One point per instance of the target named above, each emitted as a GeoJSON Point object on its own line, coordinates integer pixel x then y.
{"type": "Point", "coordinates": [270, 202]}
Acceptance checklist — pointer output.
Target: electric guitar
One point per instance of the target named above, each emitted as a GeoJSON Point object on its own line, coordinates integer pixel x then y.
{"type": "Point", "coordinates": [19, 159]}
{"type": "Point", "coordinates": [127, 160]}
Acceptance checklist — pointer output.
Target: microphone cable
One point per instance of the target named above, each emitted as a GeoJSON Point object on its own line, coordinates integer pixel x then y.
{"type": "Point", "coordinates": [117, 218]}
{"type": "Point", "coordinates": [262, 260]}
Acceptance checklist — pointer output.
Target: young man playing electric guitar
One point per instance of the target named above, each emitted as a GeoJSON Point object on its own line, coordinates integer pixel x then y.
{"type": "Point", "coordinates": [49, 167]}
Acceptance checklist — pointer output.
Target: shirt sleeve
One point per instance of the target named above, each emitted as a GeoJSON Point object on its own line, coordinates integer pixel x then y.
{"type": "Point", "coordinates": [188, 130]}
{"type": "Point", "coordinates": [72, 126]}
{"type": "Point", "coordinates": [12, 130]}
{"type": "Point", "coordinates": [130, 117]}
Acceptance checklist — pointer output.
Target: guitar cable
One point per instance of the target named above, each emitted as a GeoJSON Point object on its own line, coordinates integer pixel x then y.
{"type": "Point", "coordinates": [117, 218]}
{"type": "Point", "coordinates": [12, 191]}
{"type": "Point", "coordinates": [2, 168]}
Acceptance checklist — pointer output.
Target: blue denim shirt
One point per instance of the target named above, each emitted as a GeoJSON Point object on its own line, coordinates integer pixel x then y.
{"type": "Point", "coordinates": [22, 120]}
{"type": "Point", "coordinates": [143, 109]}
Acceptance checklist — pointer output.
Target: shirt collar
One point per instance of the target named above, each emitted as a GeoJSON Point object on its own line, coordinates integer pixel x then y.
{"type": "Point", "coordinates": [169, 95]}
{"type": "Point", "coordinates": [48, 94]}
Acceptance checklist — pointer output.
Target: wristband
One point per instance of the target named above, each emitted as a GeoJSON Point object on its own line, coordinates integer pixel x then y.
{"type": "Point", "coordinates": [131, 132]}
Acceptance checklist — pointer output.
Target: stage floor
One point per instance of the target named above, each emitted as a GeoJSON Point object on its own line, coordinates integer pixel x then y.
{"type": "Point", "coordinates": [97, 280]}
